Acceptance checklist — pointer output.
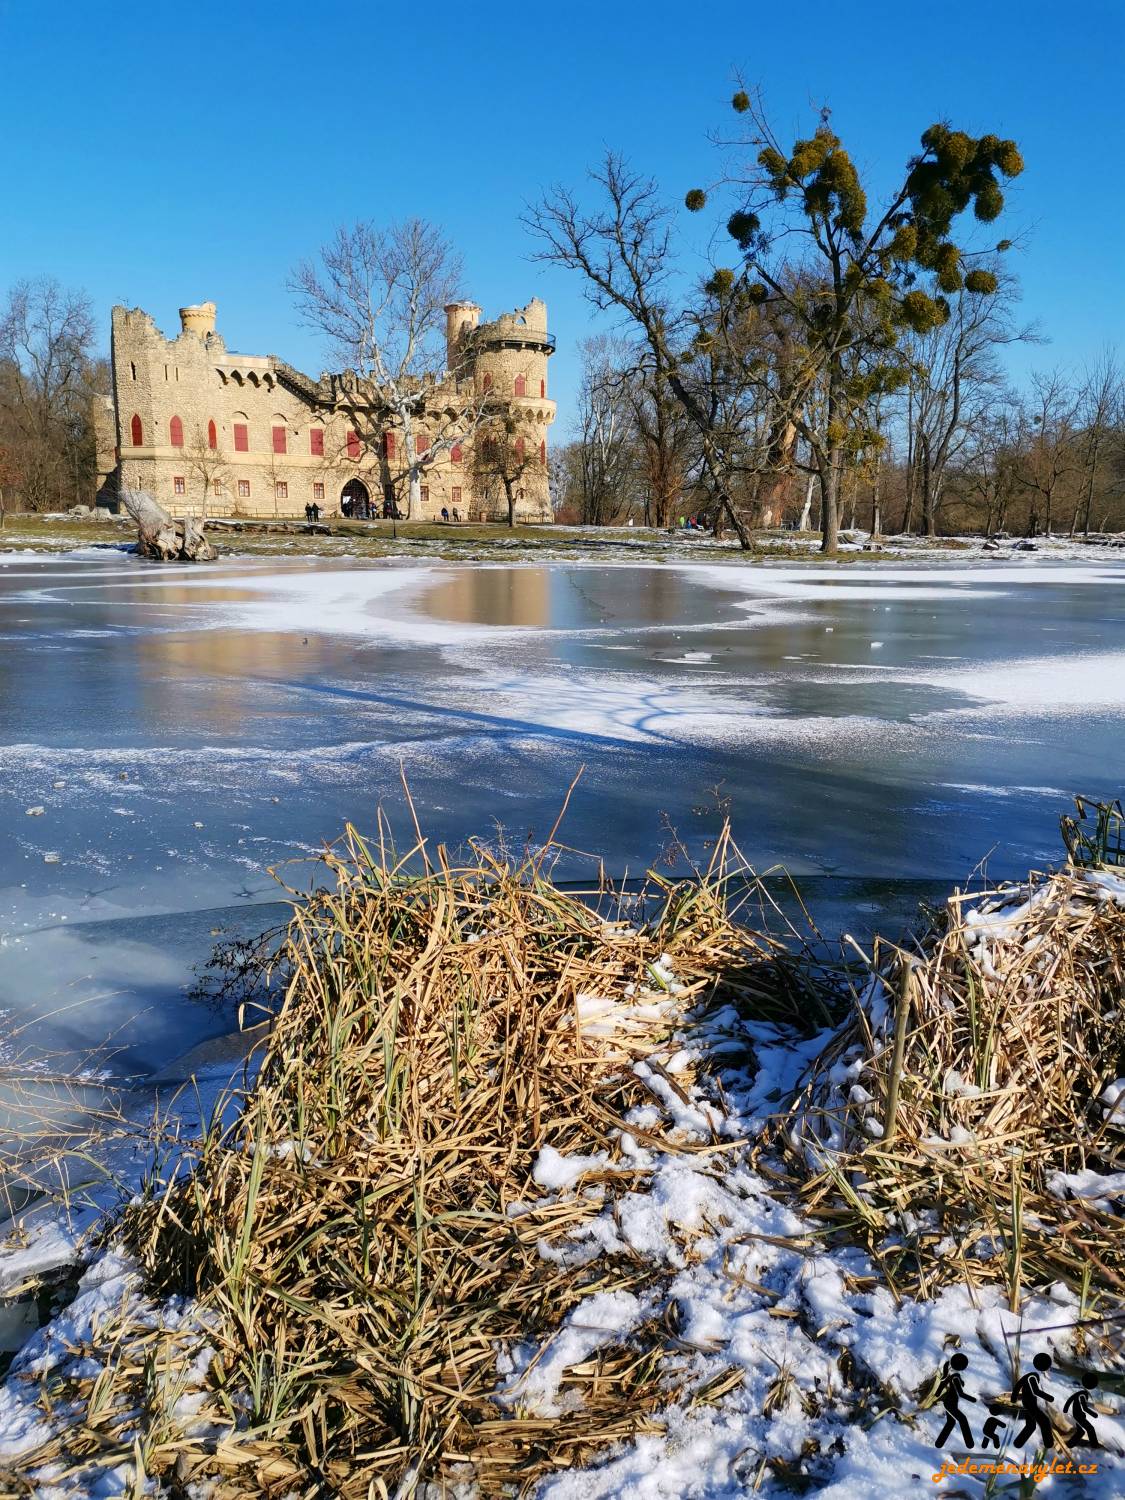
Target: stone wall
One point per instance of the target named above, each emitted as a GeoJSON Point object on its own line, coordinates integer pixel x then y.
{"type": "Point", "coordinates": [189, 394]}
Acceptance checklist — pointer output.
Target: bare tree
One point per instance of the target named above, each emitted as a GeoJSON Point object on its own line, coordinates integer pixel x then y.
{"type": "Point", "coordinates": [505, 453]}
{"type": "Point", "coordinates": [46, 337]}
{"type": "Point", "coordinates": [953, 377]}
{"type": "Point", "coordinates": [623, 250]}
{"type": "Point", "coordinates": [1049, 447]}
{"type": "Point", "coordinates": [1100, 401]}
{"type": "Point", "coordinates": [206, 464]}
{"type": "Point", "coordinates": [378, 296]}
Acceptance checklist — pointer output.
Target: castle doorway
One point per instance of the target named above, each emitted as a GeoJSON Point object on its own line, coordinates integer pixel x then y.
{"type": "Point", "coordinates": [355, 501]}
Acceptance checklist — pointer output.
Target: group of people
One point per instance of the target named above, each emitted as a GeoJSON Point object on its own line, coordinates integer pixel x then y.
{"type": "Point", "coordinates": [364, 510]}
{"type": "Point", "coordinates": [445, 513]}
{"type": "Point", "coordinates": [692, 523]}
{"type": "Point", "coordinates": [1027, 1393]}
{"type": "Point", "coordinates": [312, 512]}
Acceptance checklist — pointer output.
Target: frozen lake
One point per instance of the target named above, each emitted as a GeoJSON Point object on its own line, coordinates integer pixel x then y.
{"type": "Point", "coordinates": [879, 730]}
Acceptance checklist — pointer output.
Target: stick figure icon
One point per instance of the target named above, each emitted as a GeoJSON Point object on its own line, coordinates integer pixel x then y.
{"type": "Point", "coordinates": [993, 1427]}
{"type": "Point", "coordinates": [951, 1392]}
{"type": "Point", "coordinates": [1080, 1406]}
{"type": "Point", "coordinates": [1028, 1392]}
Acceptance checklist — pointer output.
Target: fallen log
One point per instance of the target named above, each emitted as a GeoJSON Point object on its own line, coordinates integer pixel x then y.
{"type": "Point", "coordinates": [161, 537]}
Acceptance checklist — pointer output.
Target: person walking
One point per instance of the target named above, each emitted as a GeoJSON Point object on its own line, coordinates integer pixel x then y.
{"type": "Point", "coordinates": [951, 1392]}
{"type": "Point", "coordinates": [1028, 1392]}
{"type": "Point", "coordinates": [1081, 1406]}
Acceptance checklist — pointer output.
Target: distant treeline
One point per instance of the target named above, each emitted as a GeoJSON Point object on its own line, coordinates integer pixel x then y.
{"type": "Point", "coordinates": [50, 380]}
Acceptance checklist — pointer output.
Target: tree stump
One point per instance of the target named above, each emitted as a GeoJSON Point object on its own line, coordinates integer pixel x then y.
{"type": "Point", "coordinates": [162, 538]}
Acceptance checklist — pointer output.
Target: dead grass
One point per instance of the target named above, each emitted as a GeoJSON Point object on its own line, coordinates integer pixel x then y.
{"type": "Point", "coordinates": [943, 1154]}
{"type": "Point", "coordinates": [365, 1235]}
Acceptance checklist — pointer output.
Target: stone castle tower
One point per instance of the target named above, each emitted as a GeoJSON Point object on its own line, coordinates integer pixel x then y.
{"type": "Point", "coordinates": [209, 431]}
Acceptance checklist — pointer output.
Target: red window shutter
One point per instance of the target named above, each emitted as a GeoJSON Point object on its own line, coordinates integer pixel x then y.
{"type": "Point", "coordinates": [521, 385]}
{"type": "Point", "coordinates": [279, 439]}
{"type": "Point", "coordinates": [455, 453]}
{"type": "Point", "coordinates": [487, 382]}
{"type": "Point", "coordinates": [316, 441]}
{"type": "Point", "coordinates": [519, 450]}
{"type": "Point", "coordinates": [353, 443]}
{"type": "Point", "coordinates": [422, 443]}
{"type": "Point", "coordinates": [212, 436]}
{"type": "Point", "coordinates": [542, 389]}
{"type": "Point", "coordinates": [136, 431]}
{"type": "Point", "coordinates": [241, 438]}
{"type": "Point", "coordinates": [543, 452]}
{"type": "Point", "coordinates": [176, 432]}
{"type": "Point", "coordinates": [388, 445]}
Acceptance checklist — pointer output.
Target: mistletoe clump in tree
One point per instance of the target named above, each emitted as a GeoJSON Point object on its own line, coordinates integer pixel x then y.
{"type": "Point", "coordinates": [862, 277]}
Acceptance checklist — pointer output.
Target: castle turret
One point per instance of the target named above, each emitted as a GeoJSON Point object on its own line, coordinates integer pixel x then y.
{"type": "Point", "coordinates": [199, 319]}
{"type": "Point", "coordinates": [460, 318]}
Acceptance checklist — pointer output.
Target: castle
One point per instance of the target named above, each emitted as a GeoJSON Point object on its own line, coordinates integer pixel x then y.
{"type": "Point", "coordinates": [209, 432]}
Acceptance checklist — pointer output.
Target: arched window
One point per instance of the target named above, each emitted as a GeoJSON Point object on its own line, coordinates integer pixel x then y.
{"type": "Point", "coordinates": [486, 383]}
{"type": "Point", "coordinates": [353, 443]}
{"type": "Point", "coordinates": [136, 431]}
{"type": "Point", "coordinates": [241, 429]}
{"type": "Point", "coordinates": [212, 435]}
{"type": "Point", "coordinates": [520, 388]}
{"type": "Point", "coordinates": [542, 390]}
{"type": "Point", "coordinates": [176, 433]}
{"type": "Point", "coordinates": [543, 452]}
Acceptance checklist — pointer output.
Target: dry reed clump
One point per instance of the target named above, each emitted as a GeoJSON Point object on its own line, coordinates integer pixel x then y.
{"type": "Point", "coordinates": [364, 1237]}
{"type": "Point", "coordinates": [974, 1079]}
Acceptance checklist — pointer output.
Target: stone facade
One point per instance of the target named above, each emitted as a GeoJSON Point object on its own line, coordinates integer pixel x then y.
{"type": "Point", "coordinates": [205, 430]}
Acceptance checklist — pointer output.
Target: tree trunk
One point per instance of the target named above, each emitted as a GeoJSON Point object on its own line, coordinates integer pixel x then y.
{"type": "Point", "coordinates": [877, 501]}
{"type": "Point", "coordinates": [806, 509]}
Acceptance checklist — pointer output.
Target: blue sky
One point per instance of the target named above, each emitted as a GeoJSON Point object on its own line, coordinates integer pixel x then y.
{"type": "Point", "coordinates": [158, 154]}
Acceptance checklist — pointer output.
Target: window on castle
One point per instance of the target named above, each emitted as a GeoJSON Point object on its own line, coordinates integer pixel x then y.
{"type": "Point", "coordinates": [353, 443]}
{"type": "Point", "coordinates": [425, 494]}
{"type": "Point", "coordinates": [136, 431]}
{"type": "Point", "coordinates": [520, 387]}
{"type": "Point", "coordinates": [176, 433]}
{"type": "Point", "coordinates": [422, 443]}
{"type": "Point", "coordinates": [178, 484]}
{"type": "Point", "coordinates": [520, 447]}
{"type": "Point", "coordinates": [318, 490]}
{"type": "Point", "coordinates": [388, 445]}
{"type": "Point", "coordinates": [542, 389]}
{"type": "Point", "coordinates": [455, 453]}
{"type": "Point", "coordinates": [244, 489]}
{"type": "Point", "coordinates": [543, 452]}
{"type": "Point", "coordinates": [486, 382]}
{"type": "Point", "coordinates": [241, 438]}
{"type": "Point", "coordinates": [212, 436]}
{"type": "Point", "coordinates": [281, 490]}
{"type": "Point", "coordinates": [455, 495]}
{"type": "Point", "coordinates": [279, 439]}
{"type": "Point", "coordinates": [217, 487]}
{"type": "Point", "coordinates": [132, 369]}
{"type": "Point", "coordinates": [316, 441]}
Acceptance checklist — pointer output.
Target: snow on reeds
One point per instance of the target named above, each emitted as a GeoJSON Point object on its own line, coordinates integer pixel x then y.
{"type": "Point", "coordinates": [966, 1123]}
{"type": "Point", "coordinates": [357, 1254]}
